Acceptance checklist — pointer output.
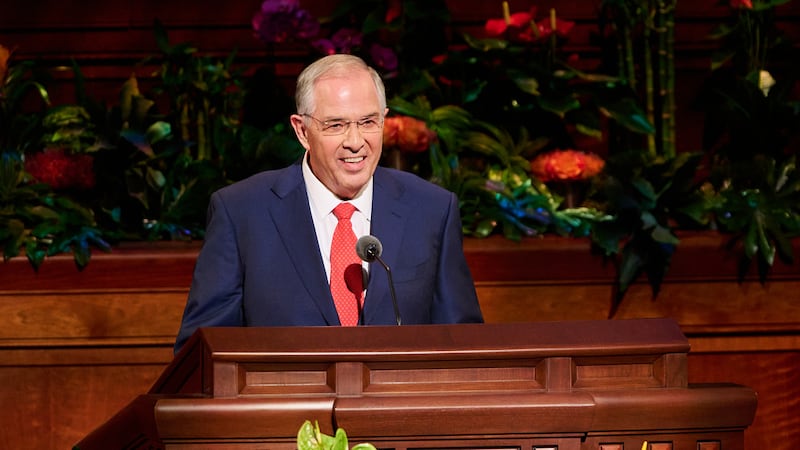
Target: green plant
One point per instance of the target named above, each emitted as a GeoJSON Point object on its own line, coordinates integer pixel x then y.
{"type": "Point", "coordinates": [309, 437]}
{"type": "Point", "coordinates": [749, 136]}
{"type": "Point", "coordinates": [647, 199]}
{"type": "Point", "coordinates": [34, 220]}
{"type": "Point", "coordinates": [40, 223]}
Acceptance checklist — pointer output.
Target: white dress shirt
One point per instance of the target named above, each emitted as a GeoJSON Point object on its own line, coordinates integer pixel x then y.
{"type": "Point", "coordinates": [322, 202]}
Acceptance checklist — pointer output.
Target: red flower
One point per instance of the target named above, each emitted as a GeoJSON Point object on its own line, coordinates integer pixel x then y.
{"type": "Point", "coordinates": [394, 9]}
{"type": "Point", "coordinates": [562, 27]}
{"type": "Point", "coordinates": [61, 170]}
{"type": "Point", "coordinates": [741, 4]}
{"type": "Point", "coordinates": [518, 26]}
{"type": "Point", "coordinates": [516, 21]}
{"type": "Point", "coordinates": [566, 165]}
{"type": "Point", "coordinates": [407, 134]}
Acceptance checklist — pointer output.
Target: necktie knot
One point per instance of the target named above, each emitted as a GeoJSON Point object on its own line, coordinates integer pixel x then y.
{"type": "Point", "coordinates": [344, 210]}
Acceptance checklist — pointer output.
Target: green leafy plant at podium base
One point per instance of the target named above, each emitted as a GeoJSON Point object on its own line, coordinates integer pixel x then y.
{"type": "Point", "coordinates": [309, 437]}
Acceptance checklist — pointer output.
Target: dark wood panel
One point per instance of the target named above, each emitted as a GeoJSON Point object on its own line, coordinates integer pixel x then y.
{"type": "Point", "coordinates": [52, 407]}
{"type": "Point", "coordinates": [775, 377]}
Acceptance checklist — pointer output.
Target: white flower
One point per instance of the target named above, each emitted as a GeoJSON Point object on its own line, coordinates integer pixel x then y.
{"type": "Point", "coordinates": [765, 82]}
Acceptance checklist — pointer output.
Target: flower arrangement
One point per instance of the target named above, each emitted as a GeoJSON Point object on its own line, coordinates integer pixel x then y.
{"type": "Point", "coordinates": [494, 117]}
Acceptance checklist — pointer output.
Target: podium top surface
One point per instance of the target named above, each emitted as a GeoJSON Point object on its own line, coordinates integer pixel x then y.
{"type": "Point", "coordinates": [575, 338]}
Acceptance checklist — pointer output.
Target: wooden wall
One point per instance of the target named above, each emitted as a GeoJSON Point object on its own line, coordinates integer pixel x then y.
{"type": "Point", "coordinates": [74, 348]}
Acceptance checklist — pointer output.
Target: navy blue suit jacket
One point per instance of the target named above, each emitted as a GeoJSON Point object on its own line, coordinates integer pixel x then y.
{"type": "Point", "coordinates": [260, 264]}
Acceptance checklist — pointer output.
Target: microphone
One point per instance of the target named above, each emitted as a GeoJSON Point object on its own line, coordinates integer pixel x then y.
{"type": "Point", "coordinates": [369, 249]}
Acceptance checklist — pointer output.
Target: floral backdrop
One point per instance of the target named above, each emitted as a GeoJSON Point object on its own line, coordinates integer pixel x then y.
{"type": "Point", "coordinates": [533, 139]}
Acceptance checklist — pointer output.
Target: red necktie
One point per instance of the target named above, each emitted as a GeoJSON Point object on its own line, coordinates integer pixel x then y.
{"type": "Point", "coordinates": [347, 279]}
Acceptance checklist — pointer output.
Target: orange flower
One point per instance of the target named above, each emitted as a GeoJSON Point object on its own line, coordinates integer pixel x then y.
{"type": "Point", "coordinates": [566, 165]}
{"type": "Point", "coordinates": [407, 134]}
{"type": "Point", "coordinates": [5, 55]}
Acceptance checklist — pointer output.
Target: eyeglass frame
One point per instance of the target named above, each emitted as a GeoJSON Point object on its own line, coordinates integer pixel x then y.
{"type": "Point", "coordinates": [378, 118]}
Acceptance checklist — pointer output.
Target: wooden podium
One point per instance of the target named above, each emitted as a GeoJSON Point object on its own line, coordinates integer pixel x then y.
{"type": "Point", "coordinates": [607, 385]}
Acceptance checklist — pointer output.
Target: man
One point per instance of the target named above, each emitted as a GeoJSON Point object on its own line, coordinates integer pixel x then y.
{"type": "Point", "coordinates": [266, 259]}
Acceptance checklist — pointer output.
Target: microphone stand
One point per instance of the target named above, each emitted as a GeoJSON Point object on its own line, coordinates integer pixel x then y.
{"type": "Point", "coordinates": [391, 289]}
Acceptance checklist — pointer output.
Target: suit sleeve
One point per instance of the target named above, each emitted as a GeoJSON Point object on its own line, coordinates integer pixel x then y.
{"type": "Point", "coordinates": [215, 296]}
{"type": "Point", "coordinates": [456, 300]}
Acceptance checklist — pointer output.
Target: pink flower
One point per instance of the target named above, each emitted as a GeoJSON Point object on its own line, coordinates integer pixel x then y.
{"type": "Point", "coordinates": [407, 134]}
{"type": "Point", "coordinates": [566, 165]}
{"type": "Point", "coordinates": [61, 170]}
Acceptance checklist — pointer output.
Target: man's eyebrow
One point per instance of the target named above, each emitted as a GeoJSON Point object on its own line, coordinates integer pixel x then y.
{"type": "Point", "coordinates": [374, 115]}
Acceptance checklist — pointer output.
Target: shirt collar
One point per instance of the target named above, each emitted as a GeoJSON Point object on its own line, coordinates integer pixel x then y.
{"type": "Point", "coordinates": [322, 200]}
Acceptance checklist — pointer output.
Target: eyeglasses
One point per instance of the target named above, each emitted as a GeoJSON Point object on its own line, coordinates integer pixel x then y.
{"type": "Point", "coordinates": [370, 124]}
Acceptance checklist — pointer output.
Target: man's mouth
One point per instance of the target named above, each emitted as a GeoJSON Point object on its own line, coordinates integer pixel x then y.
{"type": "Point", "coordinates": [354, 159]}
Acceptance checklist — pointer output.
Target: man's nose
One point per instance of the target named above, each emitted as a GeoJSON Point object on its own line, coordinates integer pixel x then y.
{"type": "Point", "coordinates": [353, 137]}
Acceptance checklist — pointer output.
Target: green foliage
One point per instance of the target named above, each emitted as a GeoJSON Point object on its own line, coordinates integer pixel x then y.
{"type": "Point", "coordinates": [646, 198]}
{"type": "Point", "coordinates": [494, 105]}
{"type": "Point", "coordinates": [39, 223]}
{"type": "Point", "coordinates": [18, 126]}
{"type": "Point", "coordinates": [489, 171]}
{"type": "Point", "coordinates": [750, 133]}
{"type": "Point", "coordinates": [309, 437]}
{"type": "Point", "coordinates": [762, 219]}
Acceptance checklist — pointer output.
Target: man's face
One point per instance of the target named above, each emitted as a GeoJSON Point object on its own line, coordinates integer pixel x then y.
{"type": "Point", "coordinates": [343, 163]}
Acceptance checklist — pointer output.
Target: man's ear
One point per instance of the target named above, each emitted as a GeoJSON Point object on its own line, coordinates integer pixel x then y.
{"type": "Point", "coordinates": [300, 129]}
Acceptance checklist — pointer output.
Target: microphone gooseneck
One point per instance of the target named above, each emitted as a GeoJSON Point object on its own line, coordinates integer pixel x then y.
{"type": "Point", "coordinates": [369, 249]}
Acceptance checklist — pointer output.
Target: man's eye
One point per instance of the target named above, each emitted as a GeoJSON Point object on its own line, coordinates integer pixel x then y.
{"type": "Point", "coordinates": [368, 123]}
{"type": "Point", "coordinates": [334, 126]}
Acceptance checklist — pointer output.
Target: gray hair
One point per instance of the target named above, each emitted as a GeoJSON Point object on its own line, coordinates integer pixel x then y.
{"type": "Point", "coordinates": [339, 64]}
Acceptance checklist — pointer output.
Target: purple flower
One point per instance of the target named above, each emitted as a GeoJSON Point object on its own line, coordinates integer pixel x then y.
{"type": "Point", "coordinates": [324, 46]}
{"type": "Point", "coordinates": [283, 20]}
{"type": "Point", "coordinates": [346, 39]}
{"type": "Point", "coordinates": [278, 6]}
{"type": "Point", "coordinates": [383, 57]}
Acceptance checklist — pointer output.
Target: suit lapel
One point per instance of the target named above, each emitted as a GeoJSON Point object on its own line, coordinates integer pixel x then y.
{"type": "Point", "coordinates": [389, 214]}
{"type": "Point", "coordinates": [293, 221]}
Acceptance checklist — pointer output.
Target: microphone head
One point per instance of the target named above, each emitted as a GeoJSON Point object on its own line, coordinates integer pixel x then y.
{"type": "Point", "coordinates": [368, 248]}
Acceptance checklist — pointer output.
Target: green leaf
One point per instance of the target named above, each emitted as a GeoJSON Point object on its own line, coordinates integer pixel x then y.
{"type": "Point", "coordinates": [628, 114]}
{"type": "Point", "coordinates": [559, 104]}
{"type": "Point", "coordinates": [751, 241]}
{"type": "Point", "coordinates": [158, 132]}
{"type": "Point", "coordinates": [364, 446]}
{"type": "Point", "coordinates": [766, 249]}
{"type": "Point", "coordinates": [633, 261]}
{"type": "Point", "coordinates": [307, 437]}
{"type": "Point", "coordinates": [528, 84]}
